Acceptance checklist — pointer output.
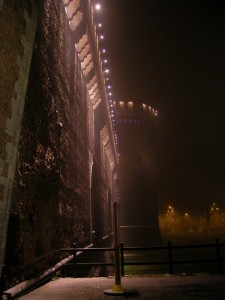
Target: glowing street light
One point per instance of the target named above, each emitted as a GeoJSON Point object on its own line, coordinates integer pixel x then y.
{"type": "Point", "coordinates": [98, 6]}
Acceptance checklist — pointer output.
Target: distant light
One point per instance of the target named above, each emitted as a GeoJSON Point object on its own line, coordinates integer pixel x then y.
{"type": "Point", "coordinates": [105, 61]}
{"type": "Point", "coordinates": [101, 37]}
{"type": "Point", "coordinates": [109, 86]}
{"type": "Point", "coordinates": [98, 6]}
{"type": "Point", "coordinates": [104, 50]}
{"type": "Point", "coordinates": [130, 103]}
{"type": "Point", "coordinates": [107, 78]}
{"type": "Point", "coordinates": [110, 94]}
{"type": "Point", "coordinates": [107, 71]}
{"type": "Point", "coordinates": [99, 25]}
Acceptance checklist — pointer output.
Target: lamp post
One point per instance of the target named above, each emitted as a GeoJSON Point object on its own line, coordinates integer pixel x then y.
{"type": "Point", "coordinates": [117, 288]}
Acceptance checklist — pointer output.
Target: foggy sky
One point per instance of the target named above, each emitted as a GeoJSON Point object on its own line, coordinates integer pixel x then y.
{"type": "Point", "coordinates": [171, 54]}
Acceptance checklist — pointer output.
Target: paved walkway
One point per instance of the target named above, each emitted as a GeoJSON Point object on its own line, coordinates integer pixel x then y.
{"type": "Point", "coordinates": [158, 287]}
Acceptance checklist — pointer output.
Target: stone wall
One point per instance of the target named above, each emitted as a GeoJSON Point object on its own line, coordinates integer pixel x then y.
{"type": "Point", "coordinates": [18, 21]}
{"type": "Point", "coordinates": [63, 186]}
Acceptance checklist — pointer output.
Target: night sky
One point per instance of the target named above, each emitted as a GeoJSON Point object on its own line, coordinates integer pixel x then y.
{"type": "Point", "coordinates": [171, 54]}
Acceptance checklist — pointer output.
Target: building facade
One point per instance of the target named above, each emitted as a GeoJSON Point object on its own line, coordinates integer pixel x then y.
{"type": "Point", "coordinates": [137, 176]}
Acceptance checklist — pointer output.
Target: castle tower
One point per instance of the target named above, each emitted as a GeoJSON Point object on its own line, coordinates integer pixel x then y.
{"type": "Point", "coordinates": [137, 183]}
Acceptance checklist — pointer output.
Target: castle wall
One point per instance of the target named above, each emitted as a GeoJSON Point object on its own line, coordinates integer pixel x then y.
{"type": "Point", "coordinates": [60, 193]}
{"type": "Point", "coordinates": [18, 20]}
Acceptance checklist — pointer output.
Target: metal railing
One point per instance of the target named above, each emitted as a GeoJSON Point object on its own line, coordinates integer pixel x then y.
{"type": "Point", "coordinates": [170, 258]}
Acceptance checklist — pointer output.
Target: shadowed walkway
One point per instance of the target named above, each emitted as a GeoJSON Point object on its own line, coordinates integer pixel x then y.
{"type": "Point", "coordinates": [160, 287]}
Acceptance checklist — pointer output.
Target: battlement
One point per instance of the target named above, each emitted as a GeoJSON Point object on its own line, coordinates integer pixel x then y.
{"type": "Point", "coordinates": [131, 107]}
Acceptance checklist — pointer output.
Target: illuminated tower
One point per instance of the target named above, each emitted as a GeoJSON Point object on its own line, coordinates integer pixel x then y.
{"type": "Point", "coordinates": [137, 183]}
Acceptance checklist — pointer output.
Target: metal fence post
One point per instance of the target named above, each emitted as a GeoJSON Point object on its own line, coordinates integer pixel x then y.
{"type": "Point", "coordinates": [117, 287]}
{"type": "Point", "coordinates": [74, 253]}
{"type": "Point", "coordinates": [218, 256]}
{"type": "Point", "coordinates": [170, 257]}
{"type": "Point", "coordinates": [2, 282]}
{"type": "Point", "coordinates": [122, 258]}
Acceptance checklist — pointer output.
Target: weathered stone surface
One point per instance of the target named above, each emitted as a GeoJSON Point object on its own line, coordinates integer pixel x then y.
{"type": "Point", "coordinates": [59, 188]}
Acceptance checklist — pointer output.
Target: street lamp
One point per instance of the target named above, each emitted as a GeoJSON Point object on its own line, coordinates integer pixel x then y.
{"type": "Point", "coordinates": [98, 6]}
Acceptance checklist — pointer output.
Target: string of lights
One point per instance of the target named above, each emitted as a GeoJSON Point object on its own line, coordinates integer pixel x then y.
{"type": "Point", "coordinates": [106, 72]}
{"type": "Point", "coordinates": [97, 7]}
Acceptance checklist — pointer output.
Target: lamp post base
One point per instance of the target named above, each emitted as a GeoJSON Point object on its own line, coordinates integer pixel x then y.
{"type": "Point", "coordinates": [119, 292]}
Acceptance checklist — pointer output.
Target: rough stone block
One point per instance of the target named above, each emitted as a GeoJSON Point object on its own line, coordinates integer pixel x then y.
{"type": "Point", "coordinates": [1, 170]}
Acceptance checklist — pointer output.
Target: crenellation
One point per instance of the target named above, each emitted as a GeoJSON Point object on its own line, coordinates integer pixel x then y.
{"type": "Point", "coordinates": [84, 52]}
{"type": "Point", "coordinates": [82, 43]}
{"type": "Point", "coordinates": [76, 20]}
{"type": "Point", "coordinates": [72, 8]}
{"type": "Point", "coordinates": [66, 2]}
{"type": "Point", "coordinates": [87, 60]}
{"type": "Point", "coordinates": [134, 107]}
{"type": "Point", "coordinates": [88, 68]}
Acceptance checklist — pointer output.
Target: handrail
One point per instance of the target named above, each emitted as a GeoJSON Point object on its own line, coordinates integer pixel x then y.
{"type": "Point", "coordinates": [171, 261]}
{"type": "Point", "coordinates": [87, 249]}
